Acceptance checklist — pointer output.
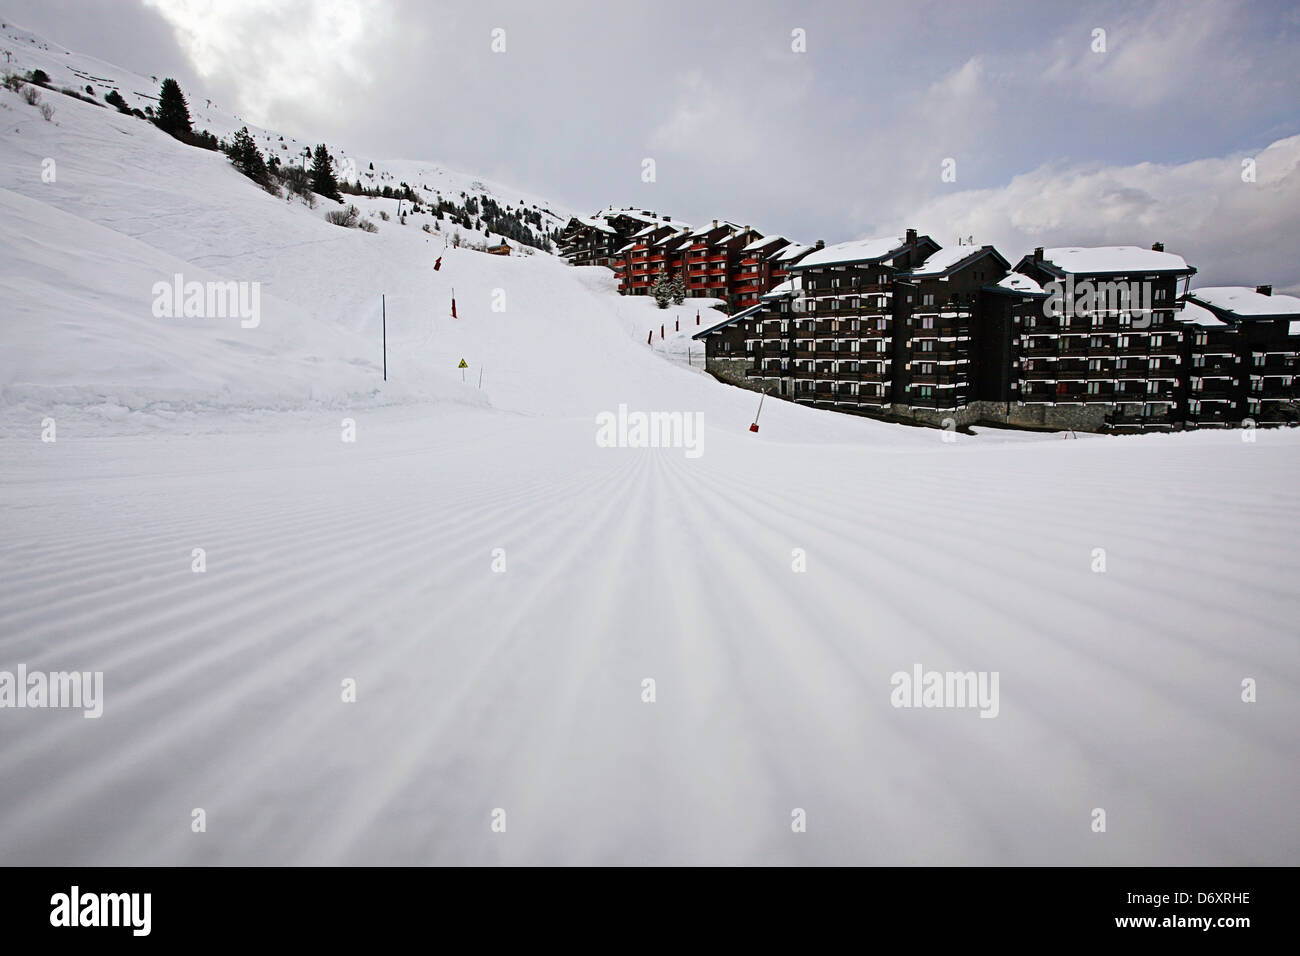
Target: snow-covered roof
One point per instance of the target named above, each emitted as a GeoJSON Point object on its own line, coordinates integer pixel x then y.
{"type": "Point", "coordinates": [857, 250]}
{"type": "Point", "coordinates": [636, 214]}
{"type": "Point", "coordinates": [722, 224]}
{"type": "Point", "coordinates": [763, 243]}
{"type": "Point", "coordinates": [596, 224]}
{"type": "Point", "coordinates": [1105, 260]}
{"type": "Point", "coordinates": [627, 248]}
{"type": "Point", "coordinates": [1016, 282]}
{"type": "Point", "coordinates": [729, 320]}
{"type": "Point", "coordinates": [780, 289]}
{"type": "Point", "coordinates": [1243, 300]}
{"type": "Point", "coordinates": [791, 251]}
{"type": "Point", "coordinates": [1293, 329]}
{"type": "Point", "coordinates": [672, 237]}
{"type": "Point", "coordinates": [648, 229]}
{"type": "Point", "coordinates": [1197, 315]}
{"type": "Point", "coordinates": [943, 260]}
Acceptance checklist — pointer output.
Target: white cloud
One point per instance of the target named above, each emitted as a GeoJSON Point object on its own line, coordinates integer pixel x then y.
{"type": "Point", "coordinates": [281, 57]}
{"type": "Point", "coordinates": [1233, 231]}
{"type": "Point", "coordinates": [1153, 54]}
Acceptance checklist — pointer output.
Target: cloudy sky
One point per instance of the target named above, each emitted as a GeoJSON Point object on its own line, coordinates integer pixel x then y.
{"type": "Point", "coordinates": [1057, 133]}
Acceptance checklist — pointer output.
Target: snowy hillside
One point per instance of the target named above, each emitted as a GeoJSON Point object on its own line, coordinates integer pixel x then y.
{"type": "Point", "coordinates": [500, 585]}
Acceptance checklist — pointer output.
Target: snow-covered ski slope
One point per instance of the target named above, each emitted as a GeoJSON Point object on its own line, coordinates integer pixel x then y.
{"type": "Point", "coordinates": [499, 586]}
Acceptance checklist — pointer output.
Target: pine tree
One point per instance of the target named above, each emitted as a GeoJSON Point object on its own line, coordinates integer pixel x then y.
{"type": "Point", "coordinates": [661, 290]}
{"type": "Point", "coordinates": [322, 174]}
{"type": "Point", "coordinates": [677, 289]}
{"type": "Point", "coordinates": [173, 111]}
{"type": "Point", "coordinates": [243, 152]}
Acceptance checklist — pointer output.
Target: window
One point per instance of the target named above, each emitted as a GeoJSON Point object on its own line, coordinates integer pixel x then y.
{"type": "Point", "coordinates": [1094, 365]}
{"type": "Point", "coordinates": [925, 391]}
{"type": "Point", "coordinates": [926, 345]}
{"type": "Point", "coordinates": [1094, 388]}
{"type": "Point", "coordinates": [1198, 361]}
{"type": "Point", "coordinates": [927, 322]}
{"type": "Point", "coordinates": [927, 299]}
{"type": "Point", "coordinates": [1258, 358]}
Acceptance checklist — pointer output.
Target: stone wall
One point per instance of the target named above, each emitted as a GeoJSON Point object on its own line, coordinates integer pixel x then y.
{"type": "Point", "coordinates": [1083, 418]}
{"type": "Point", "coordinates": [732, 371]}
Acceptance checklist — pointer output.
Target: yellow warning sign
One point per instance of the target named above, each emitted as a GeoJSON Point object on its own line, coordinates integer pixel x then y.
{"type": "Point", "coordinates": [463, 364]}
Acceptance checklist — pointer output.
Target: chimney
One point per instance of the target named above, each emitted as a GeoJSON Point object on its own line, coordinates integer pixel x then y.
{"type": "Point", "coordinates": [1157, 247]}
{"type": "Point", "coordinates": [715, 224]}
{"type": "Point", "coordinates": [821, 244]}
{"type": "Point", "coordinates": [1264, 289]}
{"type": "Point", "coordinates": [668, 218]}
{"type": "Point", "coordinates": [1038, 254]}
{"type": "Point", "coordinates": [911, 237]}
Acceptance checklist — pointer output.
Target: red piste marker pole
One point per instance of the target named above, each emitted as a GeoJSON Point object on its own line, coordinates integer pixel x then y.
{"type": "Point", "coordinates": [754, 426]}
{"type": "Point", "coordinates": [453, 303]}
{"type": "Point", "coordinates": [661, 331]}
{"type": "Point", "coordinates": [650, 337]}
{"type": "Point", "coordinates": [677, 325]}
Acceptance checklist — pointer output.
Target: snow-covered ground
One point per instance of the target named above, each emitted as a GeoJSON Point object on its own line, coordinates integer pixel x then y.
{"type": "Point", "coordinates": [499, 586]}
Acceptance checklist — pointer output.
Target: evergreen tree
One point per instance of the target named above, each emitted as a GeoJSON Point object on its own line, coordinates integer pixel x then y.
{"type": "Point", "coordinates": [173, 111]}
{"type": "Point", "coordinates": [243, 152]}
{"type": "Point", "coordinates": [661, 290]}
{"type": "Point", "coordinates": [677, 289]}
{"type": "Point", "coordinates": [322, 174]}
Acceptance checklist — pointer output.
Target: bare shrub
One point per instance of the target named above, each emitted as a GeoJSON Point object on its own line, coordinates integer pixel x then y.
{"type": "Point", "coordinates": [47, 111]}
{"type": "Point", "coordinates": [365, 225]}
{"type": "Point", "coordinates": [32, 95]}
{"type": "Point", "coordinates": [347, 218]}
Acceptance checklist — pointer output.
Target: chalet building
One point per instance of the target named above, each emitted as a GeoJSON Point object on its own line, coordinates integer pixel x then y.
{"type": "Point", "coordinates": [1002, 310]}
{"type": "Point", "coordinates": [597, 240]}
{"type": "Point", "coordinates": [1106, 344]}
{"type": "Point", "coordinates": [753, 273]}
{"type": "Point", "coordinates": [712, 260]}
{"type": "Point", "coordinates": [935, 309]}
{"type": "Point", "coordinates": [638, 267]}
{"type": "Point", "coordinates": [588, 242]}
{"type": "Point", "coordinates": [1086, 338]}
{"type": "Point", "coordinates": [841, 337]}
{"type": "Point", "coordinates": [729, 346]}
{"type": "Point", "coordinates": [825, 336]}
{"type": "Point", "coordinates": [1102, 339]}
{"type": "Point", "coordinates": [1242, 356]}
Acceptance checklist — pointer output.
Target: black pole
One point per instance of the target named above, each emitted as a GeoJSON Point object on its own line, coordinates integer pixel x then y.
{"type": "Point", "coordinates": [383, 304]}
